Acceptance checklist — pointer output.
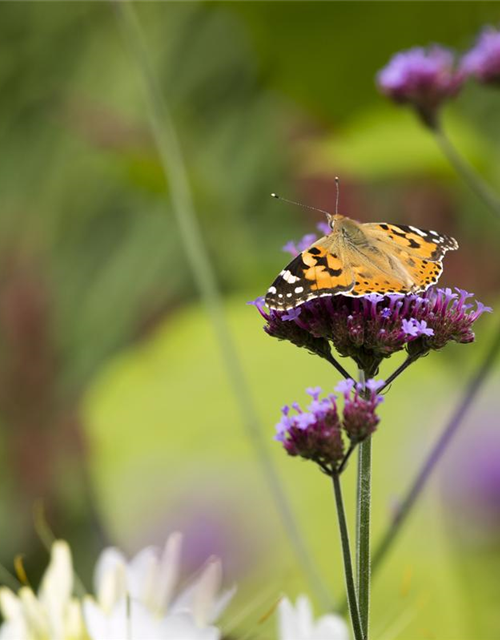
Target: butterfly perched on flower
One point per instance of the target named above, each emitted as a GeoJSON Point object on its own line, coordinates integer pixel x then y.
{"type": "Point", "coordinates": [357, 259]}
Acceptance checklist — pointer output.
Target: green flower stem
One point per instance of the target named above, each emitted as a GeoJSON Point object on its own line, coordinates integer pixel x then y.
{"type": "Point", "coordinates": [363, 531]}
{"type": "Point", "coordinates": [470, 177]}
{"type": "Point", "coordinates": [409, 360]}
{"type": "Point", "coordinates": [174, 168]}
{"type": "Point", "coordinates": [406, 505]}
{"type": "Point", "coordinates": [364, 488]}
{"type": "Point", "coordinates": [346, 553]}
{"type": "Point", "coordinates": [338, 366]}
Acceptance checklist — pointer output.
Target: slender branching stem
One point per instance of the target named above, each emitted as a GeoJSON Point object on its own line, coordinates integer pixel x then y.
{"type": "Point", "coordinates": [338, 366]}
{"type": "Point", "coordinates": [363, 513]}
{"type": "Point", "coordinates": [345, 460]}
{"type": "Point", "coordinates": [422, 478]}
{"type": "Point", "coordinates": [462, 167]}
{"type": "Point", "coordinates": [409, 360]}
{"type": "Point", "coordinates": [346, 554]}
{"type": "Point", "coordinates": [175, 171]}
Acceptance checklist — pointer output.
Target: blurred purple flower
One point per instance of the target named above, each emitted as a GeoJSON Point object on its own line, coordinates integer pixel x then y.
{"type": "Point", "coordinates": [483, 60]}
{"type": "Point", "coordinates": [294, 248]}
{"type": "Point", "coordinates": [316, 433]}
{"type": "Point", "coordinates": [471, 480]}
{"type": "Point", "coordinates": [423, 78]}
{"type": "Point", "coordinates": [374, 327]}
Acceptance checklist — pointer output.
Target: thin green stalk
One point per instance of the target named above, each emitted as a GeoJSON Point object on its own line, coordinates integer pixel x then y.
{"type": "Point", "coordinates": [470, 177]}
{"type": "Point", "coordinates": [346, 553]}
{"type": "Point", "coordinates": [363, 512]}
{"type": "Point", "coordinates": [363, 531]}
{"type": "Point", "coordinates": [174, 168]}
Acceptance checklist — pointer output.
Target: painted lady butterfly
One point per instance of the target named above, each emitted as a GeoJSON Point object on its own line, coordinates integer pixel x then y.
{"type": "Point", "coordinates": [357, 259]}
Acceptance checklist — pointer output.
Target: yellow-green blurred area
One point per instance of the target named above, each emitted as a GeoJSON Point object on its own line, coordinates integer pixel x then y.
{"type": "Point", "coordinates": [117, 413]}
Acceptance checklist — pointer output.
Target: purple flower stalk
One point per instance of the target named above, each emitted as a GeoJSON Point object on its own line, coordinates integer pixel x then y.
{"type": "Point", "coordinates": [318, 432]}
{"type": "Point", "coordinates": [423, 78]}
{"type": "Point", "coordinates": [483, 60]}
{"type": "Point", "coordinates": [373, 327]}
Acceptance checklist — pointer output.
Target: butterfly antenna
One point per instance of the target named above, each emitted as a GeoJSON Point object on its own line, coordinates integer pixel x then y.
{"type": "Point", "coordinates": [337, 197]}
{"type": "Point", "coordinates": [299, 204]}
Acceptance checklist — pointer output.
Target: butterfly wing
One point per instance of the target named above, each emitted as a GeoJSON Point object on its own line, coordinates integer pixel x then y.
{"type": "Point", "coordinates": [420, 252]}
{"type": "Point", "coordinates": [428, 245]}
{"type": "Point", "coordinates": [318, 271]}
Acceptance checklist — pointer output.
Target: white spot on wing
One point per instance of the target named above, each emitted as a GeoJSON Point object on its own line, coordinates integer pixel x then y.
{"type": "Point", "coordinates": [271, 290]}
{"type": "Point", "coordinates": [288, 277]}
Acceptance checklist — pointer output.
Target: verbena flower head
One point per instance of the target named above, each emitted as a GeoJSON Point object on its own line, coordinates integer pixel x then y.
{"type": "Point", "coordinates": [483, 60]}
{"type": "Point", "coordinates": [317, 433]}
{"type": "Point", "coordinates": [297, 622]}
{"type": "Point", "coordinates": [423, 78]}
{"type": "Point", "coordinates": [373, 327]}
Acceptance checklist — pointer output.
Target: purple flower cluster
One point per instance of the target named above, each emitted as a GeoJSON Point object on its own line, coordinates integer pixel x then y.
{"type": "Point", "coordinates": [483, 60]}
{"type": "Point", "coordinates": [318, 432]}
{"type": "Point", "coordinates": [427, 77]}
{"type": "Point", "coordinates": [422, 77]}
{"type": "Point", "coordinates": [373, 327]}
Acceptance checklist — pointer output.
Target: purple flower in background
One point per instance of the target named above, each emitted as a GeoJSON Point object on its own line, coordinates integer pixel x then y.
{"type": "Point", "coordinates": [371, 328]}
{"type": "Point", "coordinates": [294, 248]}
{"type": "Point", "coordinates": [483, 60]}
{"type": "Point", "coordinates": [318, 432]}
{"type": "Point", "coordinates": [423, 78]}
{"type": "Point", "coordinates": [471, 480]}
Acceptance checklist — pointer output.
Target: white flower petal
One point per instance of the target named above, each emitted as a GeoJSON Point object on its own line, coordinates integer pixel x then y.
{"type": "Point", "coordinates": [199, 596]}
{"type": "Point", "coordinates": [287, 627]}
{"type": "Point", "coordinates": [169, 570]}
{"type": "Point", "coordinates": [10, 604]}
{"type": "Point", "coordinates": [297, 623]}
{"type": "Point", "coordinates": [330, 627]}
{"type": "Point", "coordinates": [142, 572]}
{"type": "Point", "coordinates": [56, 587]}
{"type": "Point", "coordinates": [110, 578]}
{"type": "Point", "coordinates": [183, 627]}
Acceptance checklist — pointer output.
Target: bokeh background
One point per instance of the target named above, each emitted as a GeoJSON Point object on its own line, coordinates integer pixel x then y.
{"type": "Point", "coordinates": [118, 423]}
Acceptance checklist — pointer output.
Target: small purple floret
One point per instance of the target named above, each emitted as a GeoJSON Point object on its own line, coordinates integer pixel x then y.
{"type": "Point", "coordinates": [318, 433]}
{"type": "Point", "coordinates": [483, 60]}
{"type": "Point", "coordinates": [421, 77]}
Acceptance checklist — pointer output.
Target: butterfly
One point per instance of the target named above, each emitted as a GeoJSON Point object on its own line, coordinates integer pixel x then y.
{"type": "Point", "coordinates": [357, 259]}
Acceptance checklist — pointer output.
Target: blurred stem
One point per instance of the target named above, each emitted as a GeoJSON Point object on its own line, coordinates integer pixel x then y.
{"type": "Point", "coordinates": [406, 505]}
{"type": "Point", "coordinates": [464, 169]}
{"type": "Point", "coordinates": [338, 366]}
{"type": "Point", "coordinates": [346, 553]}
{"type": "Point", "coordinates": [364, 489]}
{"type": "Point", "coordinates": [174, 168]}
{"type": "Point", "coordinates": [409, 360]}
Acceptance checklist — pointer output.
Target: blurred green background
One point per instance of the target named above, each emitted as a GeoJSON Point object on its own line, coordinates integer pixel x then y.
{"type": "Point", "coordinates": [116, 413]}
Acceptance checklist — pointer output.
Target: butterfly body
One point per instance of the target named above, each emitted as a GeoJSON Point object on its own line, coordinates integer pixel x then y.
{"type": "Point", "coordinates": [357, 259]}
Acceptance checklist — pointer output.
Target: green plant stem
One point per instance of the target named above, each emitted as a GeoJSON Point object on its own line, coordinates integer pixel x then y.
{"type": "Point", "coordinates": [174, 168]}
{"type": "Point", "coordinates": [363, 513]}
{"type": "Point", "coordinates": [409, 360]}
{"type": "Point", "coordinates": [338, 366]}
{"type": "Point", "coordinates": [346, 553]}
{"type": "Point", "coordinates": [363, 531]}
{"type": "Point", "coordinates": [462, 167]}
